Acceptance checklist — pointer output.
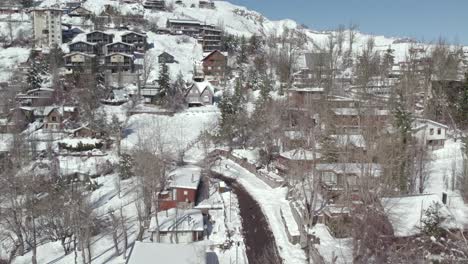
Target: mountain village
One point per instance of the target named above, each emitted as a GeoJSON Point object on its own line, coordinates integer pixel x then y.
{"type": "Point", "coordinates": [198, 131]}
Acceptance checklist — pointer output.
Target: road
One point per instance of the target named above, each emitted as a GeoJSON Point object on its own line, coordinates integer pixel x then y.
{"type": "Point", "coordinates": [259, 241]}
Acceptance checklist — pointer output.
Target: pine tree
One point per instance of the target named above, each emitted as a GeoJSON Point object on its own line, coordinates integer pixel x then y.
{"type": "Point", "coordinates": [255, 44]}
{"type": "Point", "coordinates": [164, 81]}
{"type": "Point", "coordinates": [403, 122]}
{"type": "Point", "coordinates": [242, 53]}
{"type": "Point", "coordinates": [126, 164]}
{"type": "Point", "coordinates": [35, 76]}
{"type": "Point", "coordinates": [432, 220]}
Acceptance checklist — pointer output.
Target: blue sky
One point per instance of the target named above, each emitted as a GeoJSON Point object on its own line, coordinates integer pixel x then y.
{"type": "Point", "coordinates": [421, 19]}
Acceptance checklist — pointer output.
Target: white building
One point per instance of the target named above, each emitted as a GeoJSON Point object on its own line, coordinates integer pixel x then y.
{"type": "Point", "coordinates": [47, 27]}
{"type": "Point", "coordinates": [430, 133]}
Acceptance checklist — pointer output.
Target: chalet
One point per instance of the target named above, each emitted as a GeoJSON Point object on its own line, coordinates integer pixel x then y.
{"type": "Point", "coordinates": [79, 61]}
{"type": "Point", "coordinates": [214, 65]}
{"type": "Point", "coordinates": [145, 253]}
{"type": "Point", "coordinates": [166, 58]}
{"type": "Point", "coordinates": [210, 38]}
{"type": "Point", "coordinates": [178, 225]}
{"type": "Point", "coordinates": [340, 176]}
{"type": "Point", "coordinates": [182, 189]}
{"type": "Point", "coordinates": [70, 6]}
{"type": "Point", "coordinates": [139, 40]}
{"type": "Point", "coordinates": [406, 212]}
{"type": "Point", "coordinates": [380, 88]}
{"type": "Point", "coordinates": [119, 47]}
{"type": "Point", "coordinates": [83, 46]}
{"type": "Point", "coordinates": [36, 97]}
{"type": "Point", "coordinates": [200, 93]}
{"type": "Point", "coordinates": [55, 116]}
{"type": "Point", "coordinates": [342, 102]}
{"type": "Point", "coordinates": [150, 95]}
{"type": "Point", "coordinates": [155, 4]}
{"type": "Point", "coordinates": [430, 133]}
{"type": "Point", "coordinates": [119, 62]}
{"type": "Point", "coordinates": [99, 37]}
{"type": "Point", "coordinates": [19, 118]}
{"type": "Point", "coordinates": [80, 12]}
{"type": "Point", "coordinates": [184, 27]}
{"type": "Point", "coordinates": [10, 7]}
{"type": "Point", "coordinates": [304, 97]}
{"type": "Point", "coordinates": [206, 4]}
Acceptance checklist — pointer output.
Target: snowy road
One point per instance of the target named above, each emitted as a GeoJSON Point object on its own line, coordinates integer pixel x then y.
{"type": "Point", "coordinates": [259, 240]}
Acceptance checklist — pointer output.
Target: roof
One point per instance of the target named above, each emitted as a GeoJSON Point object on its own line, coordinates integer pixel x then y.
{"type": "Point", "coordinates": [308, 89]}
{"type": "Point", "coordinates": [184, 21]}
{"type": "Point", "coordinates": [119, 42]}
{"type": "Point", "coordinates": [187, 177]}
{"type": "Point", "coordinates": [165, 53]}
{"type": "Point", "coordinates": [345, 140]}
{"type": "Point", "coordinates": [82, 41]}
{"type": "Point", "coordinates": [178, 220]}
{"type": "Point", "coordinates": [133, 32]}
{"type": "Point", "coordinates": [211, 53]}
{"type": "Point", "coordinates": [356, 112]}
{"type": "Point", "coordinates": [202, 86]}
{"type": "Point", "coordinates": [119, 53]}
{"type": "Point", "coordinates": [358, 169]}
{"type": "Point", "coordinates": [425, 121]}
{"type": "Point", "coordinates": [40, 89]}
{"type": "Point", "coordinates": [300, 154]}
{"type": "Point", "coordinates": [405, 213]}
{"type": "Point", "coordinates": [79, 53]}
{"type": "Point", "coordinates": [146, 253]}
{"type": "Point", "coordinates": [98, 31]}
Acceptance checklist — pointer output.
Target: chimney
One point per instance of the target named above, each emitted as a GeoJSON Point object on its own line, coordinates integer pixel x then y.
{"type": "Point", "coordinates": [444, 198]}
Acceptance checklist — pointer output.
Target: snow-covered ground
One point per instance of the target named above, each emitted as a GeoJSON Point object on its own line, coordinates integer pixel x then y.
{"type": "Point", "coordinates": [271, 201]}
{"type": "Point", "coordinates": [171, 134]}
{"type": "Point", "coordinates": [446, 164]}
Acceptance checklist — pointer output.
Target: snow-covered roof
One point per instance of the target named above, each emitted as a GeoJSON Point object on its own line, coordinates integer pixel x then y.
{"type": "Point", "coordinates": [421, 122]}
{"type": "Point", "coordinates": [79, 53]}
{"type": "Point", "coordinates": [83, 41]}
{"type": "Point", "coordinates": [184, 21]}
{"type": "Point", "coordinates": [308, 89]}
{"type": "Point", "coordinates": [352, 168]}
{"type": "Point", "coordinates": [405, 213]}
{"type": "Point", "coordinates": [146, 253]}
{"type": "Point", "coordinates": [208, 54]}
{"type": "Point", "coordinates": [252, 156]}
{"type": "Point", "coordinates": [40, 89]}
{"type": "Point", "coordinates": [178, 220]}
{"type": "Point", "coordinates": [355, 112]}
{"type": "Point", "coordinates": [119, 42]}
{"type": "Point", "coordinates": [133, 32]}
{"type": "Point", "coordinates": [120, 53]}
{"type": "Point", "coordinates": [202, 86]}
{"type": "Point", "coordinates": [345, 140]}
{"type": "Point", "coordinates": [300, 154]}
{"type": "Point", "coordinates": [187, 177]}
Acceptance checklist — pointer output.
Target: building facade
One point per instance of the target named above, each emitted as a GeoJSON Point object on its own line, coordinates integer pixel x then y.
{"type": "Point", "coordinates": [47, 27]}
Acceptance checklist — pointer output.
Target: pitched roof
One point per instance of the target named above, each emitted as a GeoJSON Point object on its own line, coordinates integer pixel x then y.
{"type": "Point", "coordinates": [211, 53]}
{"type": "Point", "coordinates": [133, 32]}
{"type": "Point", "coordinates": [422, 122]}
{"type": "Point", "coordinates": [119, 42]}
{"type": "Point", "coordinates": [146, 252]}
{"type": "Point", "coordinates": [201, 87]}
{"type": "Point", "coordinates": [79, 53]}
{"type": "Point", "coordinates": [120, 53]}
{"type": "Point", "coordinates": [358, 169]}
{"type": "Point", "coordinates": [187, 177]}
{"type": "Point", "coordinates": [184, 21]}
{"type": "Point", "coordinates": [82, 41]}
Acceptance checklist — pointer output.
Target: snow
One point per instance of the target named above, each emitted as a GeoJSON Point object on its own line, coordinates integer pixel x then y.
{"type": "Point", "coordinates": [145, 253]}
{"type": "Point", "coordinates": [300, 154]}
{"type": "Point", "coordinates": [11, 58]}
{"type": "Point", "coordinates": [372, 169]}
{"type": "Point", "coordinates": [330, 247]}
{"type": "Point", "coordinates": [345, 140]}
{"type": "Point", "coordinates": [178, 220]}
{"type": "Point", "coordinates": [252, 156]}
{"type": "Point", "coordinates": [6, 141]}
{"type": "Point", "coordinates": [271, 201]}
{"type": "Point", "coordinates": [73, 142]}
{"type": "Point", "coordinates": [405, 213]}
{"type": "Point", "coordinates": [171, 134]}
{"type": "Point", "coordinates": [187, 177]}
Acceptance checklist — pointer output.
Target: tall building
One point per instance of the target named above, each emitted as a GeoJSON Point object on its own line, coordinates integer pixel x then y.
{"type": "Point", "coordinates": [47, 27]}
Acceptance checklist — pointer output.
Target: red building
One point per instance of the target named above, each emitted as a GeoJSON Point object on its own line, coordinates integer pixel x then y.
{"type": "Point", "coordinates": [182, 189]}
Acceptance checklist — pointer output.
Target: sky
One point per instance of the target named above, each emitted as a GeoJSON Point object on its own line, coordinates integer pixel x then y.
{"type": "Point", "coordinates": [424, 20]}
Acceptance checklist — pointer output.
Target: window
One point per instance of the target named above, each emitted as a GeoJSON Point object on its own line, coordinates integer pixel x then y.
{"type": "Point", "coordinates": [54, 119]}
{"type": "Point", "coordinates": [329, 178]}
{"type": "Point", "coordinates": [431, 131]}
{"type": "Point", "coordinates": [439, 131]}
{"type": "Point", "coordinates": [185, 193]}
